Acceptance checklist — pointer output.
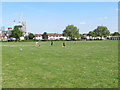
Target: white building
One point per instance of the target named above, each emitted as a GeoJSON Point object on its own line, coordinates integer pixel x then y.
{"type": "Point", "coordinates": [90, 37]}
{"type": "Point", "coordinates": [51, 36]}
{"type": "Point", "coordinates": [38, 37]}
{"type": "Point", "coordinates": [22, 38]}
{"type": "Point", "coordinates": [56, 36]}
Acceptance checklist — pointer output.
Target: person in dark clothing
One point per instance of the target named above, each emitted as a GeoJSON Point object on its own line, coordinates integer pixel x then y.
{"type": "Point", "coordinates": [51, 43]}
{"type": "Point", "coordinates": [64, 44]}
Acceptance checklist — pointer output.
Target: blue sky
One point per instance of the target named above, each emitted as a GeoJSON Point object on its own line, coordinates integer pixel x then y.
{"type": "Point", "coordinates": [53, 17]}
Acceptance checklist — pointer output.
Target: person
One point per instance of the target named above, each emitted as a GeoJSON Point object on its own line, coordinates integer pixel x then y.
{"type": "Point", "coordinates": [64, 44]}
{"type": "Point", "coordinates": [37, 43]}
{"type": "Point", "coordinates": [51, 43]}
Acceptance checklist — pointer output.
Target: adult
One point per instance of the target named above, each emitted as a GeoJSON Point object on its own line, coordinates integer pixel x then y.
{"type": "Point", "coordinates": [37, 43]}
{"type": "Point", "coordinates": [51, 43]}
{"type": "Point", "coordinates": [63, 44]}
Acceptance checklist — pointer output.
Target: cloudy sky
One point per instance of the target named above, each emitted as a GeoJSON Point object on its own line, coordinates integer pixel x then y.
{"type": "Point", "coordinates": [53, 17]}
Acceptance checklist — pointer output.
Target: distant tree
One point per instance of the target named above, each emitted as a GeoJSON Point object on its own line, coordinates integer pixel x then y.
{"type": "Point", "coordinates": [83, 36]}
{"type": "Point", "coordinates": [45, 36]}
{"type": "Point", "coordinates": [94, 34]}
{"type": "Point", "coordinates": [31, 35]}
{"type": "Point", "coordinates": [116, 34]}
{"type": "Point", "coordinates": [71, 31]}
{"type": "Point", "coordinates": [16, 33]}
{"type": "Point", "coordinates": [101, 31]}
{"type": "Point", "coordinates": [90, 33]}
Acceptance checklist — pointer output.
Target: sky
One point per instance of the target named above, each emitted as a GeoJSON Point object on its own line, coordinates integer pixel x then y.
{"type": "Point", "coordinates": [53, 17]}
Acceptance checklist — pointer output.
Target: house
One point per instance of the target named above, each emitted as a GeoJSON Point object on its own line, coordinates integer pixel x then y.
{"type": "Point", "coordinates": [22, 38]}
{"type": "Point", "coordinates": [95, 38]}
{"type": "Point", "coordinates": [56, 36]}
{"type": "Point", "coordinates": [38, 37]}
{"type": "Point", "coordinates": [51, 36]}
{"type": "Point", "coordinates": [114, 38]}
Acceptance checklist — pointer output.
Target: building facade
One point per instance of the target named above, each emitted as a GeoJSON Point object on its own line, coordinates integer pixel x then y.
{"type": "Point", "coordinates": [51, 36]}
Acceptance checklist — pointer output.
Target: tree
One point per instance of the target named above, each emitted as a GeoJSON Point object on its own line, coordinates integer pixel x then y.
{"type": "Point", "coordinates": [116, 34]}
{"type": "Point", "coordinates": [31, 35]}
{"type": "Point", "coordinates": [16, 33]}
{"type": "Point", "coordinates": [83, 36]}
{"type": "Point", "coordinates": [101, 31]}
{"type": "Point", "coordinates": [45, 36]}
{"type": "Point", "coordinates": [90, 33]}
{"type": "Point", "coordinates": [71, 31]}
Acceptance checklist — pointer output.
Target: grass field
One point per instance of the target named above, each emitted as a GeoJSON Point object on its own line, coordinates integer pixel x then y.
{"type": "Point", "coordinates": [81, 64]}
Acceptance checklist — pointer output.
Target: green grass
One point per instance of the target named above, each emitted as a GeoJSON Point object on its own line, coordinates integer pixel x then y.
{"type": "Point", "coordinates": [84, 64]}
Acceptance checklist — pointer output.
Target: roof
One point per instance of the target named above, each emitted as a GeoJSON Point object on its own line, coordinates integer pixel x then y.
{"type": "Point", "coordinates": [54, 34]}
{"type": "Point", "coordinates": [114, 36]}
{"type": "Point", "coordinates": [49, 34]}
{"type": "Point", "coordinates": [38, 35]}
{"type": "Point", "coordinates": [9, 28]}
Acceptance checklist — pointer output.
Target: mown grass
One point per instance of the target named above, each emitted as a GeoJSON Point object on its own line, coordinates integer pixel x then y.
{"type": "Point", "coordinates": [81, 64]}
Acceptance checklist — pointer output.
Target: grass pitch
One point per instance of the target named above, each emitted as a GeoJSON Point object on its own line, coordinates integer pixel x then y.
{"type": "Point", "coordinates": [81, 64]}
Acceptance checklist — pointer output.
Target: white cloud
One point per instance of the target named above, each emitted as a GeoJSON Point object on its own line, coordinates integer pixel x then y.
{"type": "Point", "coordinates": [103, 18]}
{"type": "Point", "coordinates": [82, 22]}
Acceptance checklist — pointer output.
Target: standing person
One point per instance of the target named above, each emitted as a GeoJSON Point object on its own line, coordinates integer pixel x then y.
{"type": "Point", "coordinates": [63, 44]}
{"type": "Point", "coordinates": [38, 43]}
{"type": "Point", "coordinates": [51, 43]}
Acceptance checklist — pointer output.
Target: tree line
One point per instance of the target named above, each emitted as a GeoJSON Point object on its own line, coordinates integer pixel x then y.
{"type": "Point", "coordinates": [70, 31]}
